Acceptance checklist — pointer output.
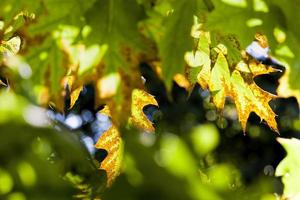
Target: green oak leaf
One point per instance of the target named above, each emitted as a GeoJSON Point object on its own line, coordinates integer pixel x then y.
{"type": "Point", "coordinates": [115, 23]}
{"type": "Point", "coordinates": [176, 39]}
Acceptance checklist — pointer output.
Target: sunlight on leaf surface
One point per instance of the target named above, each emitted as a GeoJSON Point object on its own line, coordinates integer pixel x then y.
{"type": "Point", "coordinates": [140, 99]}
{"type": "Point", "coordinates": [111, 141]}
{"type": "Point", "coordinates": [236, 82]}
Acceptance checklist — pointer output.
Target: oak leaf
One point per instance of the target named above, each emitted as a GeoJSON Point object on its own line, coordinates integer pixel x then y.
{"type": "Point", "coordinates": [140, 99]}
{"type": "Point", "coordinates": [199, 62]}
{"type": "Point", "coordinates": [233, 81]}
{"type": "Point", "coordinates": [219, 83]}
{"type": "Point", "coordinates": [111, 141]}
{"type": "Point", "coordinates": [248, 97]}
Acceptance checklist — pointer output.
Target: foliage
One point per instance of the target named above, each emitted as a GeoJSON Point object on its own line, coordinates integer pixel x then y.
{"type": "Point", "coordinates": [288, 168]}
{"type": "Point", "coordinates": [53, 51]}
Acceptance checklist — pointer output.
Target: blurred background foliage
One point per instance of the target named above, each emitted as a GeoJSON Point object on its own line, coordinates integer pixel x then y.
{"type": "Point", "coordinates": [61, 61]}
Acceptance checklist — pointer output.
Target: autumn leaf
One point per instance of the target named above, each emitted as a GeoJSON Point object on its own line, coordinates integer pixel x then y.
{"type": "Point", "coordinates": [111, 141]}
{"type": "Point", "coordinates": [233, 81]}
{"type": "Point", "coordinates": [105, 111]}
{"type": "Point", "coordinates": [274, 18]}
{"type": "Point", "coordinates": [182, 81]}
{"type": "Point", "coordinates": [74, 96]}
{"type": "Point", "coordinates": [248, 97]}
{"type": "Point", "coordinates": [140, 99]}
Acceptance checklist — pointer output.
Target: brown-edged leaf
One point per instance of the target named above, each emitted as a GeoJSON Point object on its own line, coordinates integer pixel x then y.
{"type": "Point", "coordinates": [235, 81]}
{"type": "Point", "coordinates": [248, 97]}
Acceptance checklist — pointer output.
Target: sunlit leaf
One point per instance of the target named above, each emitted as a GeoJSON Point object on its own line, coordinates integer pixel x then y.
{"type": "Point", "coordinates": [248, 97]}
{"type": "Point", "coordinates": [254, 68]}
{"type": "Point", "coordinates": [199, 62]}
{"type": "Point", "coordinates": [236, 82]}
{"type": "Point", "coordinates": [182, 81]}
{"type": "Point", "coordinates": [105, 111]}
{"type": "Point", "coordinates": [140, 99]}
{"type": "Point", "coordinates": [229, 19]}
{"type": "Point", "coordinates": [289, 168]}
{"type": "Point", "coordinates": [74, 96]}
{"type": "Point", "coordinates": [108, 85]}
{"type": "Point", "coordinates": [219, 83]}
{"type": "Point", "coordinates": [13, 45]}
{"type": "Point", "coordinates": [111, 141]}
{"type": "Point", "coordinates": [90, 57]}
{"type": "Point", "coordinates": [60, 14]}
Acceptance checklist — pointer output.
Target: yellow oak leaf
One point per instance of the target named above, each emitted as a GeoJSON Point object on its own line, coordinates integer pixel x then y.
{"type": "Point", "coordinates": [235, 82]}
{"type": "Point", "coordinates": [69, 82]}
{"type": "Point", "coordinates": [140, 99]}
{"type": "Point", "coordinates": [248, 97]}
{"type": "Point", "coordinates": [74, 96]}
{"type": "Point", "coordinates": [111, 141]}
{"type": "Point", "coordinates": [255, 68]}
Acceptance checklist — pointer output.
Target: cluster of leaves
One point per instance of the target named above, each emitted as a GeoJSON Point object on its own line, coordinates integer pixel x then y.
{"type": "Point", "coordinates": [275, 19]}
{"type": "Point", "coordinates": [235, 81]}
{"type": "Point", "coordinates": [50, 53]}
{"type": "Point", "coordinates": [65, 52]}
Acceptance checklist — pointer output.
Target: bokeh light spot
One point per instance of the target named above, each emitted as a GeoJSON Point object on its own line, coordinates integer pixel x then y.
{"type": "Point", "coordinates": [6, 182]}
{"type": "Point", "coordinates": [26, 173]}
{"type": "Point", "coordinates": [16, 196]}
{"type": "Point", "coordinates": [205, 138]}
